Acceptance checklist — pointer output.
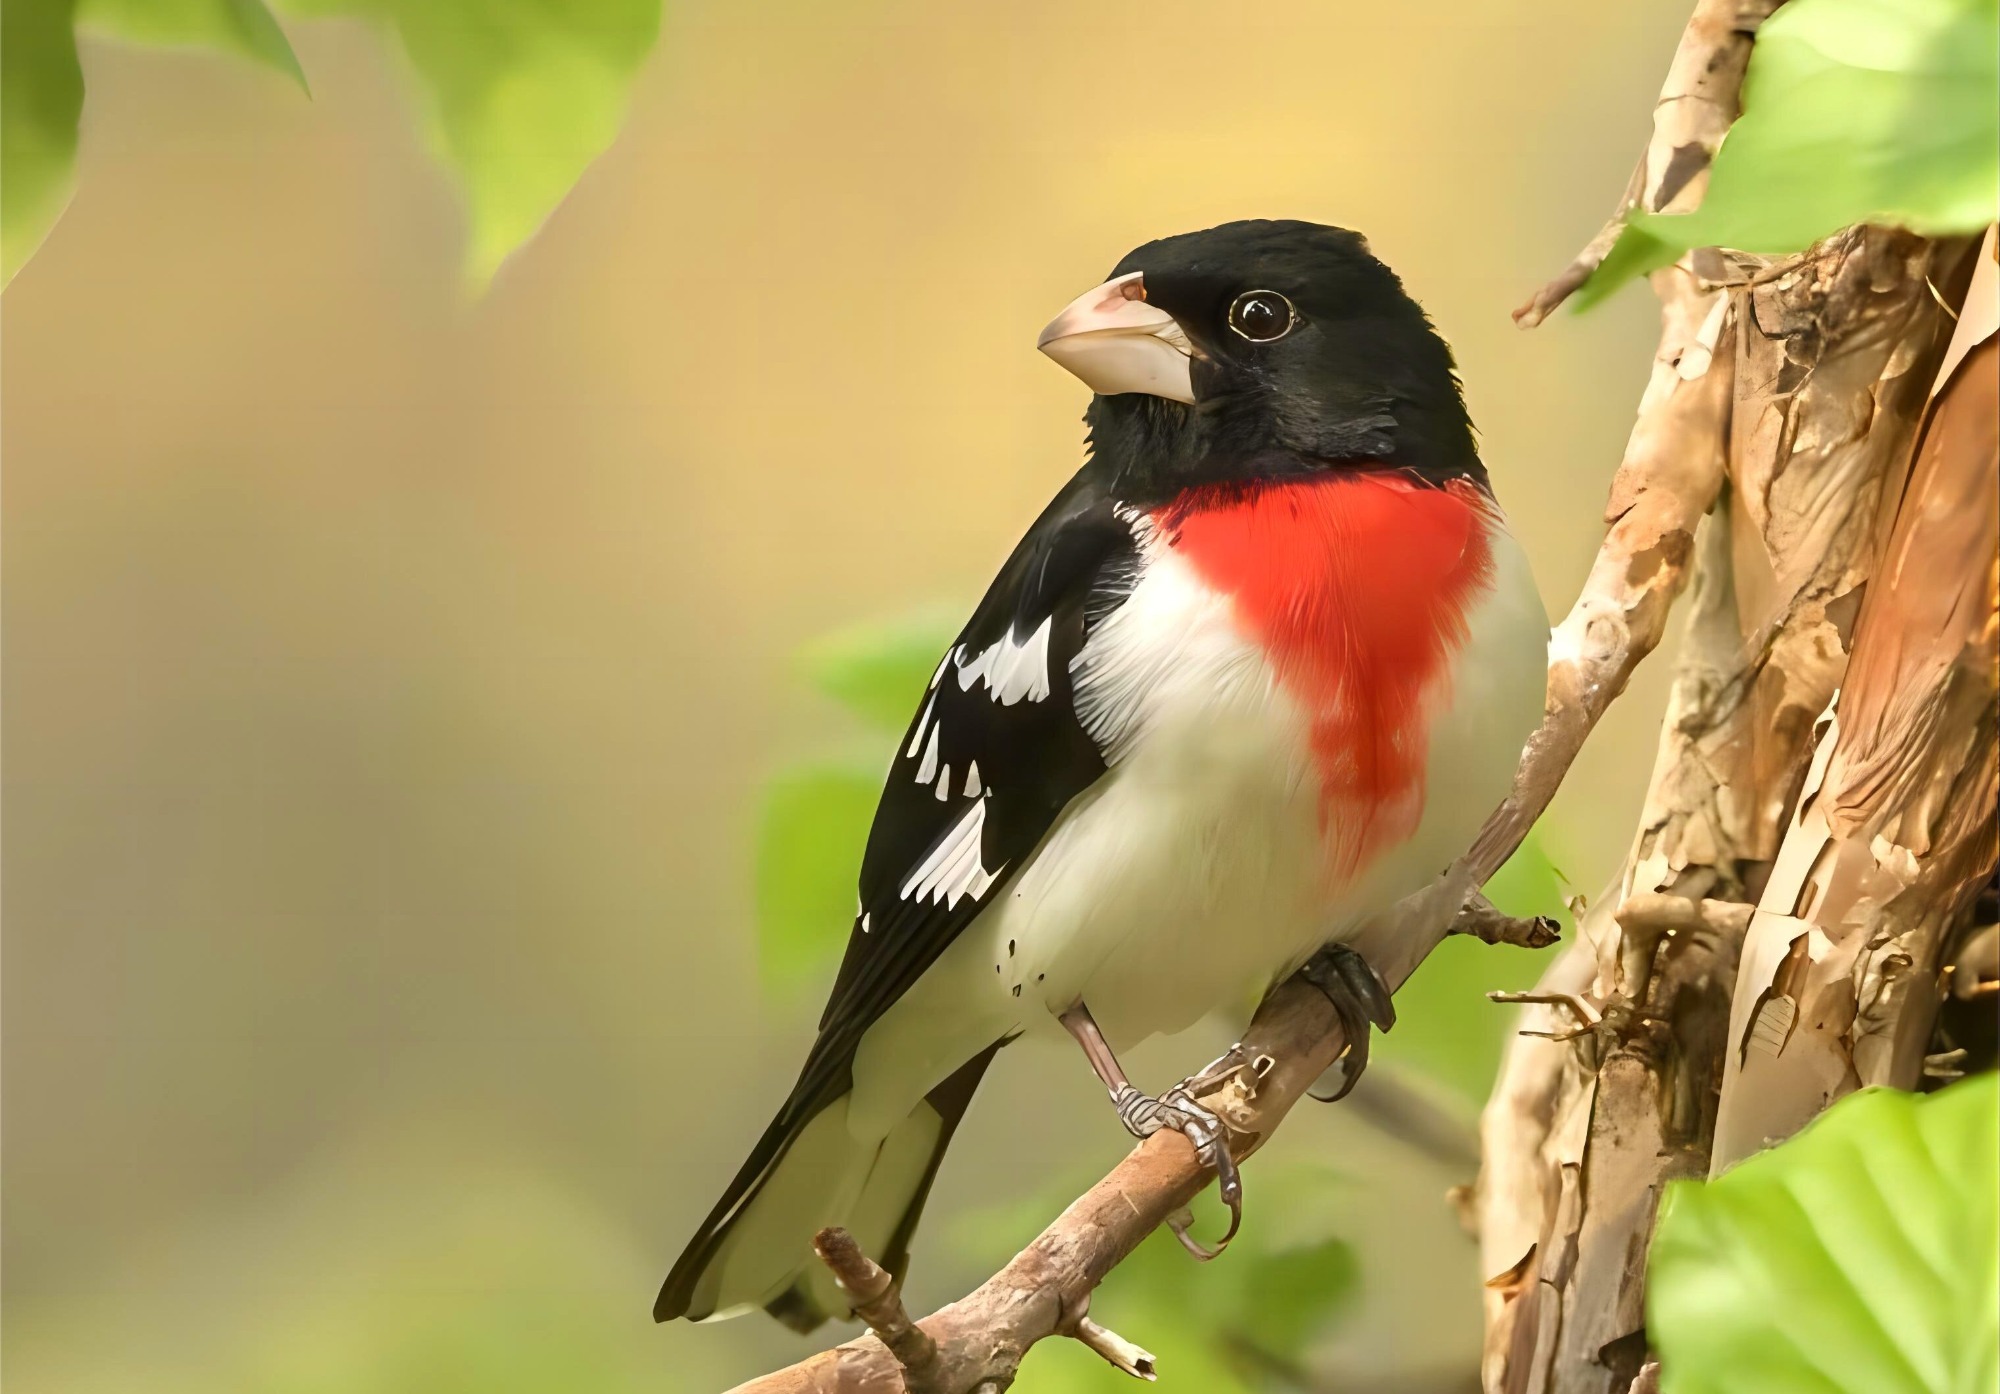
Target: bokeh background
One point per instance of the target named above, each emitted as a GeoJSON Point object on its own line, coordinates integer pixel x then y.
{"type": "Point", "coordinates": [392, 676]}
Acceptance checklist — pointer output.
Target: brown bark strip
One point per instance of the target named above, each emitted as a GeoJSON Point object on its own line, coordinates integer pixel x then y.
{"type": "Point", "coordinates": [1895, 833]}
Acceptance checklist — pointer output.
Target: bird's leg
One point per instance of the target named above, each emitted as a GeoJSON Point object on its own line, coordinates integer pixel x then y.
{"type": "Point", "coordinates": [1360, 999]}
{"type": "Point", "coordinates": [1144, 1115]}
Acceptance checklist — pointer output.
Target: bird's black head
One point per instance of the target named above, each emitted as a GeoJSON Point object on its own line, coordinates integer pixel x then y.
{"type": "Point", "coordinates": [1260, 349]}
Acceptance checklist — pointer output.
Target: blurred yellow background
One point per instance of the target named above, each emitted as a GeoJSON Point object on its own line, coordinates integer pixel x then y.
{"type": "Point", "coordinates": [390, 677]}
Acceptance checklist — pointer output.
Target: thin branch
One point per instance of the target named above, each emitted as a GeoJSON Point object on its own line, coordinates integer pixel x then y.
{"type": "Point", "coordinates": [1570, 279]}
{"type": "Point", "coordinates": [1697, 104]}
{"type": "Point", "coordinates": [1387, 1101]}
{"type": "Point", "coordinates": [1670, 477]}
{"type": "Point", "coordinates": [1045, 1289]}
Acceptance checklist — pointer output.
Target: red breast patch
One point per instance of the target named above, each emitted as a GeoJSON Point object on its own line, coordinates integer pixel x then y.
{"type": "Point", "coordinates": [1357, 585]}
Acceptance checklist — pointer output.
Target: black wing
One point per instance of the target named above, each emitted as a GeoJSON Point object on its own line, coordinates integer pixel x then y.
{"type": "Point", "coordinates": [995, 754]}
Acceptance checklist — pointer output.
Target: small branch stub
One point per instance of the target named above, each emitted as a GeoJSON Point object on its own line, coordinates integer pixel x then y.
{"type": "Point", "coordinates": [1652, 912]}
{"type": "Point", "coordinates": [1119, 1353]}
{"type": "Point", "coordinates": [877, 1302]}
{"type": "Point", "coordinates": [1483, 920]}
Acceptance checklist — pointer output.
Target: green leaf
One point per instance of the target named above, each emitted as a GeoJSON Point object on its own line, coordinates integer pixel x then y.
{"type": "Point", "coordinates": [521, 95]}
{"type": "Point", "coordinates": [810, 835]}
{"type": "Point", "coordinates": [243, 27]}
{"type": "Point", "coordinates": [1856, 1258]}
{"type": "Point", "coordinates": [41, 97]}
{"type": "Point", "coordinates": [41, 90]}
{"type": "Point", "coordinates": [879, 670]}
{"type": "Point", "coordinates": [1854, 111]}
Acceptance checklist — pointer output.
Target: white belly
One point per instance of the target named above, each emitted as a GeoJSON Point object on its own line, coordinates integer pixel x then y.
{"type": "Point", "coordinates": [1197, 871]}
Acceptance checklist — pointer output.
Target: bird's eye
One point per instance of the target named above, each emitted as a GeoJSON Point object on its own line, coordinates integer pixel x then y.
{"type": "Point", "coordinates": [1262, 315]}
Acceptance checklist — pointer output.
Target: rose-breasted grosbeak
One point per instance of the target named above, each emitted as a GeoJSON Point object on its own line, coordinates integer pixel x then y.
{"type": "Point", "coordinates": [1258, 672]}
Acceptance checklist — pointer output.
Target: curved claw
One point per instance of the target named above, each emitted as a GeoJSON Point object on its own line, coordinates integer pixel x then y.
{"type": "Point", "coordinates": [1181, 1222]}
{"type": "Point", "coordinates": [1144, 1116]}
{"type": "Point", "coordinates": [1360, 1000]}
{"type": "Point", "coordinates": [1210, 1140]}
{"type": "Point", "coordinates": [1352, 1062]}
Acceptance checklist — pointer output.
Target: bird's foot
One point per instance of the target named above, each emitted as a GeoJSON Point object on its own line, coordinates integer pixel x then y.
{"type": "Point", "coordinates": [1360, 998]}
{"type": "Point", "coordinates": [1176, 1109]}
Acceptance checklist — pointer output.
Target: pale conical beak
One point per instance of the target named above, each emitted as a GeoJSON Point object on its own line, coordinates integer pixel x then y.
{"type": "Point", "coordinates": [1113, 340]}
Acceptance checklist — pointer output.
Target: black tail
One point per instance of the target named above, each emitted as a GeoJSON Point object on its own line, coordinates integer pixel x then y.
{"type": "Point", "coordinates": [807, 1172]}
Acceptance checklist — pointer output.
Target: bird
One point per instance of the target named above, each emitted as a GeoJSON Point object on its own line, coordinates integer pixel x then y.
{"type": "Point", "coordinates": [1257, 672]}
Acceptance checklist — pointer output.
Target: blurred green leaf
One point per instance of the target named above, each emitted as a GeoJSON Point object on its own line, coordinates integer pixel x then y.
{"type": "Point", "coordinates": [1445, 1027]}
{"type": "Point", "coordinates": [1856, 1258]}
{"type": "Point", "coordinates": [879, 670]}
{"type": "Point", "coordinates": [809, 842]}
{"type": "Point", "coordinates": [41, 97]}
{"type": "Point", "coordinates": [243, 27]}
{"type": "Point", "coordinates": [815, 819]}
{"type": "Point", "coordinates": [1854, 111]}
{"type": "Point", "coordinates": [1288, 1295]}
{"type": "Point", "coordinates": [521, 94]}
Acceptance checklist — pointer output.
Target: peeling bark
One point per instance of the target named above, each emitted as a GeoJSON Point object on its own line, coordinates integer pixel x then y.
{"type": "Point", "coordinates": [1895, 834]}
{"type": "Point", "coordinates": [1846, 904]}
{"type": "Point", "coordinates": [1832, 353]}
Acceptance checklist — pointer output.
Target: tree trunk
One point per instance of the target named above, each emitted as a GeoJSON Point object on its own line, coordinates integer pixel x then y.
{"type": "Point", "coordinates": [1782, 930]}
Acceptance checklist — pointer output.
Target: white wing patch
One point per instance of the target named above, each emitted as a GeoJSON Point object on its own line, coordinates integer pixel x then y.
{"type": "Point", "coordinates": [917, 736]}
{"type": "Point", "coordinates": [953, 871]}
{"type": "Point", "coordinates": [927, 771]}
{"type": "Point", "coordinates": [1012, 668]}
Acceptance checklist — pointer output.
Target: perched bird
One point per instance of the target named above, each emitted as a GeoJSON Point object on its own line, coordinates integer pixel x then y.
{"type": "Point", "coordinates": [1259, 671]}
